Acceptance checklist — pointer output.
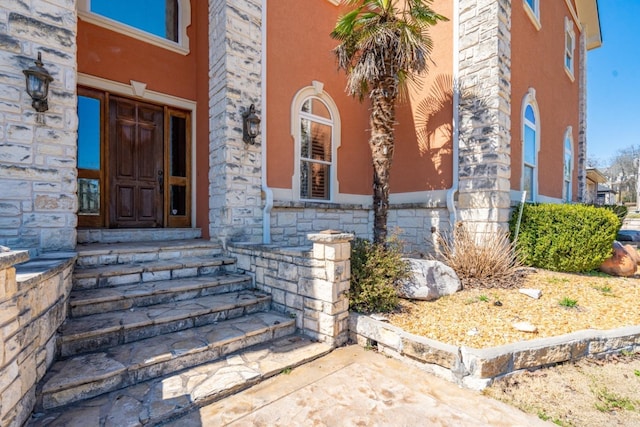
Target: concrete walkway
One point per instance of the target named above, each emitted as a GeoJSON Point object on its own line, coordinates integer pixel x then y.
{"type": "Point", "coordinates": [355, 387]}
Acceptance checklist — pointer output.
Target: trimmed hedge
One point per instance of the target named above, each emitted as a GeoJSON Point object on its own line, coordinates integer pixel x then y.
{"type": "Point", "coordinates": [619, 210]}
{"type": "Point", "coordinates": [563, 237]}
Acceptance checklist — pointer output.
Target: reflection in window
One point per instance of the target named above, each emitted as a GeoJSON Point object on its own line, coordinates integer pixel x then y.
{"type": "Point", "coordinates": [316, 145]}
{"type": "Point", "coordinates": [568, 166]}
{"type": "Point", "coordinates": [529, 148]}
{"type": "Point", "coordinates": [88, 196]}
{"type": "Point", "coordinates": [157, 17]}
{"type": "Point", "coordinates": [569, 45]}
{"type": "Point", "coordinates": [88, 133]}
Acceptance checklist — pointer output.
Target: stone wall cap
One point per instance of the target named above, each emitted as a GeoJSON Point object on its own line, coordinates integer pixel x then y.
{"type": "Point", "coordinates": [10, 258]}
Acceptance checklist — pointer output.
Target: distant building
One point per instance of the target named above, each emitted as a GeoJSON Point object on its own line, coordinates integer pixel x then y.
{"type": "Point", "coordinates": [144, 127]}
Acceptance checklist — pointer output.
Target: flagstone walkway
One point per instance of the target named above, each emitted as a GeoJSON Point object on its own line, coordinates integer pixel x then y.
{"type": "Point", "coordinates": [355, 387]}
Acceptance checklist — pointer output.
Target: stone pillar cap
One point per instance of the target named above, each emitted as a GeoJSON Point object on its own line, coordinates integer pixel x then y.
{"type": "Point", "coordinates": [330, 236]}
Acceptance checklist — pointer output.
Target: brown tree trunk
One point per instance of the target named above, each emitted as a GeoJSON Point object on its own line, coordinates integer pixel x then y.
{"type": "Point", "coordinates": [382, 121]}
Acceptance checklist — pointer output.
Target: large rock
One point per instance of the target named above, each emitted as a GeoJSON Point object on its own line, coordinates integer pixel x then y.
{"type": "Point", "coordinates": [429, 280]}
{"type": "Point", "coordinates": [621, 263]}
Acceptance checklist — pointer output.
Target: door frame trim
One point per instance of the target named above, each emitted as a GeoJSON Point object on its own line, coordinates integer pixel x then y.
{"type": "Point", "coordinates": [133, 91]}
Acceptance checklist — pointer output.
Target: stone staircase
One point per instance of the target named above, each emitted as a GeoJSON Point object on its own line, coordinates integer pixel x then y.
{"type": "Point", "coordinates": [147, 313]}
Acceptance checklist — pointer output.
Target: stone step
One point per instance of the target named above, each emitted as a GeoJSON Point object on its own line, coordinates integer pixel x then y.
{"type": "Point", "coordinates": [151, 271]}
{"type": "Point", "coordinates": [99, 300]}
{"type": "Point", "coordinates": [92, 374]}
{"type": "Point", "coordinates": [97, 254]}
{"type": "Point", "coordinates": [163, 398]}
{"type": "Point", "coordinates": [104, 235]}
{"type": "Point", "coordinates": [104, 330]}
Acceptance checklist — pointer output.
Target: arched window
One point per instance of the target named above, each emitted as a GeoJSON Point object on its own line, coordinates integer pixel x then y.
{"type": "Point", "coordinates": [568, 166]}
{"type": "Point", "coordinates": [316, 130]}
{"type": "Point", "coordinates": [530, 145]}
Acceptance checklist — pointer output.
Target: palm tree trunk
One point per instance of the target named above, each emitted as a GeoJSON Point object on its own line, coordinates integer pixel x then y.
{"type": "Point", "coordinates": [382, 121]}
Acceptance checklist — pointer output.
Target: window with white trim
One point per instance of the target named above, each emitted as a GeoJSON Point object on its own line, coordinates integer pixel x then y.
{"type": "Point", "coordinates": [316, 131]}
{"type": "Point", "coordinates": [569, 46]}
{"type": "Point", "coordinates": [530, 145]}
{"type": "Point", "coordinates": [160, 22]}
{"type": "Point", "coordinates": [567, 172]}
{"type": "Point", "coordinates": [532, 8]}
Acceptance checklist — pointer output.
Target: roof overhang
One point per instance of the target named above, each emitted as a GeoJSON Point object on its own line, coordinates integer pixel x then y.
{"type": "Point", "coordinates": [590, 20]}
{"type": "Point", "coordinates": [594, 175]}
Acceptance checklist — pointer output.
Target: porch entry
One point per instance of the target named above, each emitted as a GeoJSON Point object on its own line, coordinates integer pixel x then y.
{"type": "Point", "coordinates": [133, 163]}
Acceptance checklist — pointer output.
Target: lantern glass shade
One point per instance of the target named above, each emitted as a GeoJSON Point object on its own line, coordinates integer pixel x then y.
{"type": "Point", "coordinates": [37, 87]}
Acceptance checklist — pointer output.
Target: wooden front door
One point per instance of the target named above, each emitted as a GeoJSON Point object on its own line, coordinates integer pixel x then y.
{"type": "Point", "coordinates": [136, 164]}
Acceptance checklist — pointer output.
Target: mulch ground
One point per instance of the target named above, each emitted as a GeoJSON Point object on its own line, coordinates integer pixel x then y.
{"type": "Point", "coordinates": [482, 318]}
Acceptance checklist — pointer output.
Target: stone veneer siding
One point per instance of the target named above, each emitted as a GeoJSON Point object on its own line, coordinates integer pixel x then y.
{"type": "Point", "coordinates": [415, 224]}
{"type": "Point", "coordinates": [38, 151]}
{"type": "Point", "coordinates": [485, 109]}
{"type": "Point", "coordinates": [310, 284]}
{"type": "Point", "coordinates": [582, 120]}
{"type": "Point", "coordinates": [33, 304]}
{"type": "Point", "coordinates": [235, 61]}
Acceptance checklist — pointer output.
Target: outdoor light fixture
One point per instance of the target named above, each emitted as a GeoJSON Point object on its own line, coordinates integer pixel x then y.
{"type": "Point", "coordinates": [38, 79]}
{"type": "Point", "coordinates": [250, 125]}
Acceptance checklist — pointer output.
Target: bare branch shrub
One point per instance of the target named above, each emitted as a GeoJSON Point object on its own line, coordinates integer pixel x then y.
{"type": "Point", "coordinates": [481, 259]}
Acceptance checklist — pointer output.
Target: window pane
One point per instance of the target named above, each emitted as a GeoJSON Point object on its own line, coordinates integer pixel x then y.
{"type": "Point", "coordinates": [88, 133]}
{"type": "Point", "coordinates": [178, 135]}
{"type": "Point", "coordinates": [316, 107]}
{"type": "Point", "coordinates": [88, 196]}
{"type": "Point", "coordinates": [320, 142]}
{"type": "Point", "coordinates": [529, 114]}
{"type": "Point", "coordinates": [567, 159]}
{"type": "Point", "coordinates": [528, 183]}
{"type": "Point", "coordinates": [305, 138]}
{"type": "Point", "coordinates": [178, 200]}
{"type": "Point", "coordinates": [529, 145]}
{"type": "Point", "coordinates": [158, 17]}
{"type": "Point", "coordinates": [314, 180]}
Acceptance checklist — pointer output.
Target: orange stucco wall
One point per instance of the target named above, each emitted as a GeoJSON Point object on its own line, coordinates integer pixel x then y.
{"type": "Point", "coordinates": [537, 61]}
{"type": "Point", "coordinates": [299, 51]}
{"type": "Point", "coordinates": [117, 57]}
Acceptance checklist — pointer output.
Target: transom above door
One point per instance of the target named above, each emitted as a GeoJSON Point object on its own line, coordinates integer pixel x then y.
{"type": "Point", "coordinates": [133, 163]}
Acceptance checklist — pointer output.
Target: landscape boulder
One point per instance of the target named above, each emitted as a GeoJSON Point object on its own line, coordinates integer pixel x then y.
{"type": "Point", "coordinates": [429, 280]}
{"type": "Point", "coordinates": [621, 263]}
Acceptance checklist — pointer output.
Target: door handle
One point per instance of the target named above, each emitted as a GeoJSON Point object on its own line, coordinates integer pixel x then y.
{"type": "Point", "coordinates": [161, 181]}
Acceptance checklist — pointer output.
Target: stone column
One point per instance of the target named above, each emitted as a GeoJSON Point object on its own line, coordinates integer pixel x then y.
{"type": "Point", "coordinates": [326, 303]}
{"type": "Point", "coordinates": [38, 150]}
{"type": "Point", "coordinates": [582, 119]}
{"type": "Point", "coordinates": [485, 109]}
{"type": "Point", "coordinates": [235, 61]}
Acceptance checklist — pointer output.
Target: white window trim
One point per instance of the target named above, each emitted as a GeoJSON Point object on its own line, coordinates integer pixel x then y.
{"type": "Point", "coordinates": [530, 99]}
{"type": "Point", "coordinates": [315, 91]}
{"type": "Point", "coordinates": [184, 20]}
{"type": "Point", "coordinates": [568, 31]}
{"type": "Point", "coordinates": [568, 135]}
{"type": "Point", "coordinates": [534, 15]}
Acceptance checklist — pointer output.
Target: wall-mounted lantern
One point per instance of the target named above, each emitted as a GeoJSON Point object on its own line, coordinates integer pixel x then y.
{"type": "Point", "coordinates": [250, 125]}
{"type": "Point", "coordinates": [38, 79]}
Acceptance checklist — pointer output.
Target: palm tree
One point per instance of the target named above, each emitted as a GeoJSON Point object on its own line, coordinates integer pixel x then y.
{"type": "Point", "coordinates": [383, 45]}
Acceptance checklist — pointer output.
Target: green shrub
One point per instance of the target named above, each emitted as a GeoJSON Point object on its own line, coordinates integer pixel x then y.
{"type": "Point", "coordinates": [619, 210]}
{"type": "Point", "coordinates": [562, 237]}
{"type": "Point", "coordinates": [376, 272]}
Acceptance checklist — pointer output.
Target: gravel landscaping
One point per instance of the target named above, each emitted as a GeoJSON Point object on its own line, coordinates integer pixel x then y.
{"type": "Point", "coordinates": [482, 318]}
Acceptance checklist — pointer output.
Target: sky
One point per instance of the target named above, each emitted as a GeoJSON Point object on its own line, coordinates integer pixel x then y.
{"type": "Point", "coordinates": [613, 82]}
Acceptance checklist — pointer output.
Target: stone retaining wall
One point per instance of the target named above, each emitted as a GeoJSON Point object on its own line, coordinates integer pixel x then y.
{"type": "Point", "coordinates": [415, 224]}
{"type": "Point", "coordinates": [310, 284]}
{"type": "Point", "coordinates": [477, 368]}
{"type": "Point", "coordinates": [33, 304]}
